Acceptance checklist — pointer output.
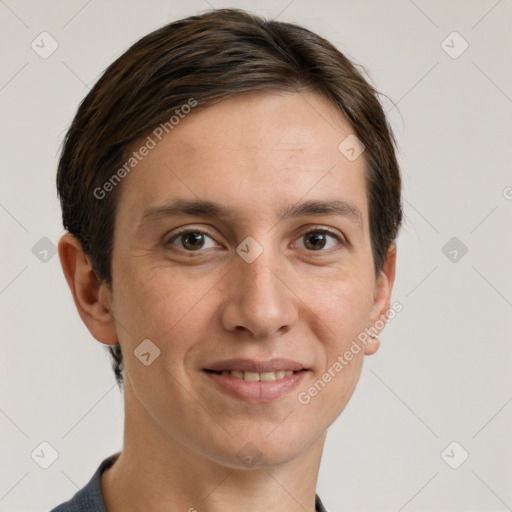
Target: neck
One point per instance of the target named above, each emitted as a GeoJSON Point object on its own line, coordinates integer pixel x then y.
{"type": "Point", "coordinates": [157, 472]}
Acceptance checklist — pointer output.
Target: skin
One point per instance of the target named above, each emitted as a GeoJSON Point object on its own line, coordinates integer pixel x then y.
{"type": "Point", "coordinates": [255, 153]}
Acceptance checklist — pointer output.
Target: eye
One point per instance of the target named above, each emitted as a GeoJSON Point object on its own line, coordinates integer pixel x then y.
{"type": "Point", "coordinates": [191, 240]}
{"type": "Point", "coordinates": [320, 239]}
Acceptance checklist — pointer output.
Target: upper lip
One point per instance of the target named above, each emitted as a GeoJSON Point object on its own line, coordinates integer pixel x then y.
{"type": "Point", "coordinates": [251, 365]}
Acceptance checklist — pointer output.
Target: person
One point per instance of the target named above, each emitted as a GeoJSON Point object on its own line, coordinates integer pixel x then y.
{"type": "Point", "coordinates": [231, 198]}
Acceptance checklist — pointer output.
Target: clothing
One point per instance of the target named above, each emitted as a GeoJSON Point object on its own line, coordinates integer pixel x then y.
{"type": "Point", "coordinates": [90, 499]}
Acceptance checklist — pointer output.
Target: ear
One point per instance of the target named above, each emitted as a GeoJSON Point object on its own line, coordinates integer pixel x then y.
{"type": "Point", "coordinates": [382, 295]}
{"type": "Point", "coordinates": [92, 298]}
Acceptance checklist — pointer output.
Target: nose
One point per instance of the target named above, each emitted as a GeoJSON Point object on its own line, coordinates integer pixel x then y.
{"type": "Point", "coordinates": [259, 300]}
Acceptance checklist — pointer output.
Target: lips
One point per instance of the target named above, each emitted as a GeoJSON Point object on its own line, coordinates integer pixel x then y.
{"type": "Point", "coordinates": [251, 365]}
{"type": "Point", "coordinates": [256, 381]}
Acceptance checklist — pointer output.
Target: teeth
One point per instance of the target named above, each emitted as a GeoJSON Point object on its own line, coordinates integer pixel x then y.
{"type": "Point", "coordinates": [251, 376]}
{"type": "Point", "coordinates": [255, 376]}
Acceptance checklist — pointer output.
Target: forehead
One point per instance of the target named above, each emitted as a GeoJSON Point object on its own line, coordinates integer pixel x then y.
{"type": "Point", "coordinates": [254, 151]}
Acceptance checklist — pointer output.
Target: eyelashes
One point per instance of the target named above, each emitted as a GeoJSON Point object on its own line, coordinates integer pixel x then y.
{"type": "Point", "coordinates": [182, 234]}
{"type": "Point", "coordinates": [198, 243]}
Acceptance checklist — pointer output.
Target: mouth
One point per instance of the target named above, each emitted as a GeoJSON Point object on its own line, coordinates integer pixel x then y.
{"type": "Point", "coordinates": [251, 376]}
{"type": "Point", "coordinates": [277, 364]}
{"type": "Point", "coordinates": [254, 381]}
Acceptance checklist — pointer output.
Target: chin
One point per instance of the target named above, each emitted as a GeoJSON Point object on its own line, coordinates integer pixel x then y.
{"type": "Point", "coordinates": [266, 449]}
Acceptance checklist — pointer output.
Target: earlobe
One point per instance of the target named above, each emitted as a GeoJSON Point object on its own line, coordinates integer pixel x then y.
{"type": "Point", "coordinates": [372, 347]}
{"type": "Point", "coordinates": [90, 296]}
{"type": "Point", "coordinates": [382, 299]}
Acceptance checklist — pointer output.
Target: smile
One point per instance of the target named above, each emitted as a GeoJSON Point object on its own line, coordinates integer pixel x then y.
{"type": "Point", "coordinates": [255, 387]}
{"type": "Point", "coordinates": [256, 376]}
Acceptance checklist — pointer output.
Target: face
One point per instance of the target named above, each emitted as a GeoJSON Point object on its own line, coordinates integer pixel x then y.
{"type": "Point", "coordinates": [251, 276]}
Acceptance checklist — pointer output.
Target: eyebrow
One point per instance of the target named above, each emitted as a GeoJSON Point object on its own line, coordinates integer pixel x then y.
{"type": "Point", "coordinates": [210, 209]}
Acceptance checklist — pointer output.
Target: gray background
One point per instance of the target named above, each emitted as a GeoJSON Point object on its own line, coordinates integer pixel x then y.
{"type": "Point", "coordinates": [443, 371]}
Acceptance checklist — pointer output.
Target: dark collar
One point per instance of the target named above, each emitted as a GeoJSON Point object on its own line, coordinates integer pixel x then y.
{"type": "Point", "coordinates": [90, 499]}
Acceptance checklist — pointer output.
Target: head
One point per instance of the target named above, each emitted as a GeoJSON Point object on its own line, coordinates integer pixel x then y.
{"type": "Point", "coordinates": [233, 122]}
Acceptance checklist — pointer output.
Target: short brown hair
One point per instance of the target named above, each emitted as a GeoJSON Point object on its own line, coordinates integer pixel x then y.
{"type": "Point", "coordinates": [211, 57]}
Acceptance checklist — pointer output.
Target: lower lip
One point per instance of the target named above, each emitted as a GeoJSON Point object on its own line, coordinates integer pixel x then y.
{"type": "Point", "coordinates": [257, 392]}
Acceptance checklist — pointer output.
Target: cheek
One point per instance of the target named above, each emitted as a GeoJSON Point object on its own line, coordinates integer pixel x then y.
{"type": "Point", "coordinates": [342, 312]}
{"type": "Point", "coordinates": [344, 307]}
{"type": "Point", "coordinates": [163, 305]}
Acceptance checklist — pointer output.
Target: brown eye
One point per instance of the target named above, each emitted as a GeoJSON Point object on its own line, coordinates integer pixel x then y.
{"type": "Point", "coordinates": [320, 239]}
{"type": "Point", "coordinates": [191, 241]}
{"type": "Point", "coordinates": [315, 241]}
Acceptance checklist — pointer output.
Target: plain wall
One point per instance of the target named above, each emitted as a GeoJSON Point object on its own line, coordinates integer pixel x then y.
{"type": "Point", "coordinates": [442, 373]}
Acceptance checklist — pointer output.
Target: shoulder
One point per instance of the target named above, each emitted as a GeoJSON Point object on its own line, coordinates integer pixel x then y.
{"type": "Point", "coordinates": [89, 498]}
{"type": "Point", "coordinates": [319, 506]}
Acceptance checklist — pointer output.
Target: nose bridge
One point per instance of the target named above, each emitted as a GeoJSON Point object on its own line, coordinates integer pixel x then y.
{"type": "Point", "coordinates": [259, 302]}
{"type": "Point", "coordinates": [259, 278]}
